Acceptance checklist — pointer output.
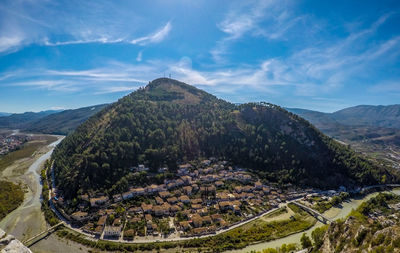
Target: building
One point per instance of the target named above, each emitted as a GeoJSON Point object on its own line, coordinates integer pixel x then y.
{"type": "Point", "coordinates": [112, 231]}
{"type": "Point", "coordinates": [98, 201]}
{"type": "Point", "coordinates": [79, 216]}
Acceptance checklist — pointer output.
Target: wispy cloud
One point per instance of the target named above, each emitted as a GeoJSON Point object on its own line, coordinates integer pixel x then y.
{"type": "Point", "coordinates": [102, 40]}
{"type": "Point", "coordinates": [116, 89]}
{"type": "Point", "coordinates": [44, 23]}
{"type": "Point", "coordinates": [139, 56]}
{"type": "Point", "coordinates": [270, 19]}
{"type": "Point", "coordinates": [156, 37]}
{"type": "Point", "coordinates": [153, 38]}
{"type": "Point", "coordinates": [390, 86]}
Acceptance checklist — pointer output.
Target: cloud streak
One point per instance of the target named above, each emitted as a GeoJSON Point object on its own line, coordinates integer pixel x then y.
{"type": "Point", "coordinates": [156, 37]}
{"type": "Point", "coordinates": [23, 23]}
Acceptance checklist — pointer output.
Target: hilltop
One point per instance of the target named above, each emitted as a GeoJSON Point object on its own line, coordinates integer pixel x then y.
{"type": "Point", "coordinates": [169, 122]}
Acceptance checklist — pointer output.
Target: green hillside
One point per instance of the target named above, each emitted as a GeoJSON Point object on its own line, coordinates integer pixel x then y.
{"type": "Point", "coordinates": [169, 122]}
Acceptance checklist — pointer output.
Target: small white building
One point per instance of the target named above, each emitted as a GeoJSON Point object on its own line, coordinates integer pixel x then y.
{"type": "Point", "coordinates": [112, 231]}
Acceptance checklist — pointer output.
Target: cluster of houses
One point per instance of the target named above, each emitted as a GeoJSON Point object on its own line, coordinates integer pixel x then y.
{"type": "Point", "coordinates": [200, 200]}
{"type": "Point", "coordinates": [10, 143]}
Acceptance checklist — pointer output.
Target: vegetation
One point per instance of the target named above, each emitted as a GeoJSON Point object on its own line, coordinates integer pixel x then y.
{"type": "Point", "coordinates": [305, 241]}
{"type": "Point", "coordinates": [48, 213]}
{"type": "Point", "coordinates": [323, 206]}
{"type": "Point", "coordinates": [169, 122]}
{"type": "Point", "coordinates": [285, 248]}
{"type": "Point", "coordinates": [11, 196]}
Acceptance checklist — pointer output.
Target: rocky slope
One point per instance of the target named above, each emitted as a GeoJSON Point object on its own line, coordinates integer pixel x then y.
{"type": "Point", "coordinates": [9, 244]}
{"type": "Point", "coordinates": [373, 227]}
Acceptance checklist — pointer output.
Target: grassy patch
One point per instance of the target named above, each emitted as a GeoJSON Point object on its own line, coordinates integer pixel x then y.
{"type": "Point", "coordinates": [276, 213]}
{"type": "Point", "coordinates": [11, 196]}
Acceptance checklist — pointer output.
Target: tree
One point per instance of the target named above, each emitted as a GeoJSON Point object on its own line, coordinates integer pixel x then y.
{"type": "Point", "coordinates": [318, 236]}
{"type": "Point", "coordinates": [336, 200]}
{"type": "Point", "coordinates": [305, 241]}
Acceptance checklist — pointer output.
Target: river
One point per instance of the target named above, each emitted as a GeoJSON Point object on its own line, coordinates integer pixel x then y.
{"type": "Point", "coordinates": [28, 220]}
{"type": "Point", "coordinates": [333, 213]}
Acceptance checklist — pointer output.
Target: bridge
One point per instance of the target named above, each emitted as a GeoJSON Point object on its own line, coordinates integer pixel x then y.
{"type": "Point", "coordinates": [314, 213]}
{"type": "Point", "coordinates": [36, 238]}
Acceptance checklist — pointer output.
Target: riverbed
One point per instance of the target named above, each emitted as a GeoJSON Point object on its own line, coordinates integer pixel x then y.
{"type": "Point", "coordinates": [333, 213]}
{"type": "Point", "coordinates": [28, 220]}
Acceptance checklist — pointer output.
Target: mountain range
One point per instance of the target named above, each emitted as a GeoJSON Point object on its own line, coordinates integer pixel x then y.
{"type": "Point", "coordinates": [169, 122]}
{"type": "Point", "coordinates": [361, 115]}
{"type": "Point", "coordinates": [49, 122]}
{"type": "Point", "coordinates": [4, 114]}
{"type": "Point", "coordinates": [367, 123]}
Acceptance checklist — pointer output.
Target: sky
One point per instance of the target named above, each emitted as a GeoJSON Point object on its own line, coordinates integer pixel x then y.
{"type": "Point", "coordinates": [319, 55]}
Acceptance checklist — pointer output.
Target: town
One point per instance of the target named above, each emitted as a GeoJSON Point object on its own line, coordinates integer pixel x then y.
{"type": "Point", "coordinates": [10, 142]}
{"type": "Point", "coordinates": [201, 200]}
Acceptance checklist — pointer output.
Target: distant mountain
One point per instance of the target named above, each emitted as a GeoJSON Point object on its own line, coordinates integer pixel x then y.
{"type": "Point", "coordinates": [20, 120]}
{"type": "Point", "coordinates": [169, 122]}
{"type": "Point", "coordinates": [4, 114]}
{"type": "Point", "coordinates": [361, 115]}
{"type": "Point", "coordinates": [49, 122]}
{"type": "Point", "coordinates": [370, 115]}
{"type": "Point", "coordinates": [374, 130]}
{"type": "Point", "coordinates": [62, 122]}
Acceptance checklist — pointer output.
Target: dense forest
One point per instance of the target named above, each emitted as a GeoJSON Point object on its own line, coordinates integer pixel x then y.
{"type": "Point", "coordinates": [169, 122]}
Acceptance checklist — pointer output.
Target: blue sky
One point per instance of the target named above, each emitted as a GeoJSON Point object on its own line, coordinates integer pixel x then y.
{"type": "Point", "coordinates": [321, 55]}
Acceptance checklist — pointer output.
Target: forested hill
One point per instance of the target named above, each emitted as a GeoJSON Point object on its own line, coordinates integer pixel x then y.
{"type": "Point", "coordinates": [169, 122]}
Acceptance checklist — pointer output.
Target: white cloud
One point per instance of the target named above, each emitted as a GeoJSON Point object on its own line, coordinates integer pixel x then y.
{"type": "Point", "coordinates": [139, 56]}
{"type": "Point", "coordinates": [47, 23]}
{"type": "Point", "coordinates": [156, 37]}
{"type": "Point", "coordinates": [115, 89]}
{"type": "Point", "coordinates": [10, 43]}
{"type": "Point", "coordinates": [271, 19]}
